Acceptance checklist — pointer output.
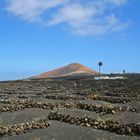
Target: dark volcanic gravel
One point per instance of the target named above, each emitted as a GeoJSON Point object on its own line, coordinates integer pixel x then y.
{"type": "Point", "coordinates": [114, 105]}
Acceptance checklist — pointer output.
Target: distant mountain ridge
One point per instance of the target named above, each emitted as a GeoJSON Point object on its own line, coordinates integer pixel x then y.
{"type": "Point", "coordinates": [69, 70]}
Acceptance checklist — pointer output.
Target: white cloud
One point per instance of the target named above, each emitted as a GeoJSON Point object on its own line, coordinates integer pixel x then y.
{"type": "Point", "coordinates": [74, 15]}
{"type": "Point", "coordinates": [80, 17]}
{"type": "Point", "coordinates": [31, 9]}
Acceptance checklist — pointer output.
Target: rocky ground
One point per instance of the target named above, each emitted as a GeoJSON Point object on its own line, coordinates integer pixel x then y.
{"type": "Point", "coordinates": [70, 109]}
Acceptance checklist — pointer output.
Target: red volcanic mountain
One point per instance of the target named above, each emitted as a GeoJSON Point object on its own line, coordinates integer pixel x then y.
{"type": "Point", "coordinates": [69, 70]}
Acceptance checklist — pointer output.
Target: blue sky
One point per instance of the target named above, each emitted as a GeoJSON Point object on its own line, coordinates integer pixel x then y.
{"type": "Point", "coordinates": [41, 35]}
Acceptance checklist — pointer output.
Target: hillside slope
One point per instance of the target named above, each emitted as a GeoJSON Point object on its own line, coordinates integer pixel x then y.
{"type": "Point", "coordinates": [71, 69]}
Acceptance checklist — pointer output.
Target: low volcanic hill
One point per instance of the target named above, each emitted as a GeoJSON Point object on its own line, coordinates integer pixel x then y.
{"type": "Point", "coordinates": [73, 69]}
